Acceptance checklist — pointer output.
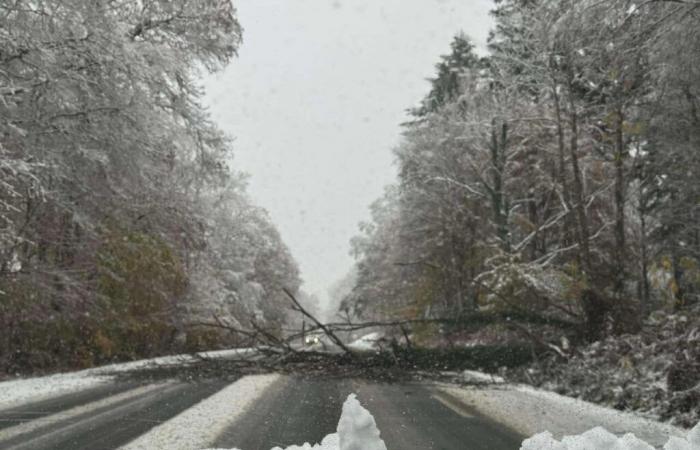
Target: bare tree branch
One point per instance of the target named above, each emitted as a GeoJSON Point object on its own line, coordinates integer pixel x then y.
{"type": "Point", "coordinates": [326, 330]}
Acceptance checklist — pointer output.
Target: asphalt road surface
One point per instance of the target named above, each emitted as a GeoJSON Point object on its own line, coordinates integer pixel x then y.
{"type": "Point", "coordinates": [293, 410]}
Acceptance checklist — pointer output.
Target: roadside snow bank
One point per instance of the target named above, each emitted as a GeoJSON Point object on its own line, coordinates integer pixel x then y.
{"type": "Point", "coordinates": [17, 392]}
{"type": "Point", "coordinates": [174, 360]}
{"type": "Point", "coordinates": [26, 390]}
{"type": "Point", "coordinates": [529, 411]}
{"type": "Point", "coordinates": [357, 430]}
{"type": "Point", "coordinates": [473, 377]}
{"type": "Point", "coordinates": [600, 439]}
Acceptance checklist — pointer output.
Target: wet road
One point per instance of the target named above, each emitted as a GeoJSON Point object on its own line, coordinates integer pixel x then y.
{"type": "Point", "coordinates": [409, 416]}
{"type": "Point", "coordinates": [292, 410]}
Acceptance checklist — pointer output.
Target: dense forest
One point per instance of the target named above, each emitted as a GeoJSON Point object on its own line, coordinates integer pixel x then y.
{"type": "Point", "coordinates": [122, 224]}
{"type": "Point", "coordinates": [557, 175]}
{"type": "Point", "coordinates": [549, 190]}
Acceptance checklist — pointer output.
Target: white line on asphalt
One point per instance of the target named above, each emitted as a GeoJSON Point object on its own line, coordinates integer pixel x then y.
{"type": "Point", "coordinates": [452, 404]}
{"type": "Point", "coordinates": [38, 424]}
{"type": "Point", "coordinates": [200, 425]}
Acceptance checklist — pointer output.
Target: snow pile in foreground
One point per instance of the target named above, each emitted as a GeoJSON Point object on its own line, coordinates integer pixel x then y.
{"type": "Point", "coordinates": [600, 439]}
{"type": "Point", "coordinates": [357, 430]}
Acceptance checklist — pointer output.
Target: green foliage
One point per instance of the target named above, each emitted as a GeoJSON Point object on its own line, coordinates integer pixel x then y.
{"type": "Point", "coordinates": [199, 339]}
{"type": "Point", "coordinates": [426, 293]}
{"type": "Point", "coordinates": [140, 281]}
{"type": "Point", "coordinates": [446, 86]}
{"type": "Point", "coordinates": [575, 284]}
{"type": "Point", "coordinates": [139, 274]}
{"type": "Point", "coordinates": [130, 141]}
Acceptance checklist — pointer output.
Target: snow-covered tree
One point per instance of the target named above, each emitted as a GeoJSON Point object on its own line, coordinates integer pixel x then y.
{"type": "Point", "coordinates": [119, 213]}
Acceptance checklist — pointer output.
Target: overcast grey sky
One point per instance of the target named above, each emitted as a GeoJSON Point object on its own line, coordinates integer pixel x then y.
{"type": "Point", "coordinates": [314, 103]}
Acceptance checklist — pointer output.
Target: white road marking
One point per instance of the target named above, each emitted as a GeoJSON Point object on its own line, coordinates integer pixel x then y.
{"type": "Point", "coordinates": [200, 425]}
{"type": "Point", "coordinates": [453, 404]}
{"type": "Point", "coordinates": [38, 424]}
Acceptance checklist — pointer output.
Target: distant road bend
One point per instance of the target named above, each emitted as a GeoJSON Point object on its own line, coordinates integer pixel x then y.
{"type": "Point", "coordinates": [252, 413]}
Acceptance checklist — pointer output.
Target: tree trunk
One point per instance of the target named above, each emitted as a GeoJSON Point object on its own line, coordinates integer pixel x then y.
{"type": "Point", "coordinates": [567, 235]}
{"type": "Point", "coordinates": [580, 206]}
{"type": "Point", "coordinates": [594, 304]}
{"type": "Point", "coordinates": [644, 275]}
{"type": "Point", "coordinates": [498, 199]}
{"type": "Point", "coordinates": [619, 205]}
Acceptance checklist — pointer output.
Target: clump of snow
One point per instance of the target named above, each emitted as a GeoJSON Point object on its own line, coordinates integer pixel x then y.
{"type": "Point", "coordinates": [473, 377]}
{"type": "Point", "coordinates": [368, 342]}
{"type": "Point", "coordinates": [330, 442]}
{"type": "Point", "coordinates": [357, 430]}
{"type": "Point", "coordinates": [600, 439]}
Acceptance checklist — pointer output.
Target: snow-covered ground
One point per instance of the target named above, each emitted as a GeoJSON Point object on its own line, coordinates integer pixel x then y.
{"type": "Point", "coordinates": [530, 411]}
{"type": "Point", "coordinates": [366, 343]}
{"type": "Point", "coordinates": [25, 390]}
{"type": "Point", "coordinates": [600, 439]}
{"type": "Point", "coordinates": [473, 377]}
{"type": "Point", "coordinates": [556, 422]}
{"type": "Point", "coordinates": [17, 392]}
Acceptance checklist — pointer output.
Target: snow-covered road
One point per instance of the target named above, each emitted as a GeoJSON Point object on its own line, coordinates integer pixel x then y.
{"type": "Point", "coordinates": [252, 413]}
{"type": "Point", "coordinates": [259, 412]}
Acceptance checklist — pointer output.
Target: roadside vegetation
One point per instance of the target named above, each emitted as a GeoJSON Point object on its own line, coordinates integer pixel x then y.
{"type": "Point", "coordinates": [545, 224]}
{"type": "Point", "coordinates": [551, 183]}
{"type": "Point", "coordinates": [122, 222]}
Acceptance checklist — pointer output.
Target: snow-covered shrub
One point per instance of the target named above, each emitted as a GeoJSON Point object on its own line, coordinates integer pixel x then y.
{"type": "Point", "coordinates": [655, 372]}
